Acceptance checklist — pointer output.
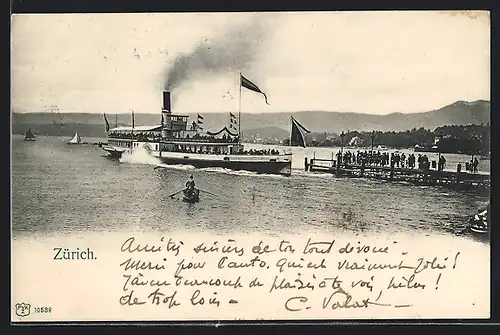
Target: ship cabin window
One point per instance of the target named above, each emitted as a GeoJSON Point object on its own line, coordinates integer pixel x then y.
{"type": "Point", "coordinates": [179, 118]}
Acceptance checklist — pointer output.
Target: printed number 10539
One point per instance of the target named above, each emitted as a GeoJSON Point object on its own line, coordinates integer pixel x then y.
{"type": "Point", "coordinates": [43, 309]}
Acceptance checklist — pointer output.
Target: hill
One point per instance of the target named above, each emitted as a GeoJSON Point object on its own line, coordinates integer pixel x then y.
{"type": "Point", "coordinates": [269, 125]}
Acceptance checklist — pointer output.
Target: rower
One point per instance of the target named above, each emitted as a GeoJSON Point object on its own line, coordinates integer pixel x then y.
{"type": "Point", "coordinates": [190, 184]}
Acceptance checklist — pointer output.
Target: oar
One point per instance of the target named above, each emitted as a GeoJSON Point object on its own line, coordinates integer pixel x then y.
{"type": "Point", "coordinates": [170, 196]}
{"type": "Point", "coordinates": [209, 193]}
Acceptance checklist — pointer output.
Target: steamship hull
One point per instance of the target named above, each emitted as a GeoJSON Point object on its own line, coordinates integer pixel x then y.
{"type": "Point", "coordinates": [265, 164]}
{"type": "Point", "coordinates": [257, 165]}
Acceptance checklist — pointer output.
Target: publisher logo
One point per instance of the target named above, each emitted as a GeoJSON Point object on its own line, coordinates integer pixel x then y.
{"type": "Point", "coordinates": [23, 309]}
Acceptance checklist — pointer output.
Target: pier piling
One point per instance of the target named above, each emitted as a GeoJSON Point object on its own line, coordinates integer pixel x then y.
{"type": "Point", "coordinates": [457, 175]}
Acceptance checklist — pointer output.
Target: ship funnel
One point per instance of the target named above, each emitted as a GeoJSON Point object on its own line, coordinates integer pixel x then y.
{"type": "Point", "coordinates": [166, 101]}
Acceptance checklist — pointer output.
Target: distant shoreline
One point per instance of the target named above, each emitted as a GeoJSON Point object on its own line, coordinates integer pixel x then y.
{"type": "Point", "coordinates": [346, 148]}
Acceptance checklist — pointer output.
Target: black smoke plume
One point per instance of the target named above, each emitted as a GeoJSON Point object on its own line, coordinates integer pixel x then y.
{"type": "Point", "coordinates": [234, 51]}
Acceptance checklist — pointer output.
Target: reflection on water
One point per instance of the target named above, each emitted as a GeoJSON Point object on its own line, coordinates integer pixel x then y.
{"type": "Point", "coordinates": [65, 189]}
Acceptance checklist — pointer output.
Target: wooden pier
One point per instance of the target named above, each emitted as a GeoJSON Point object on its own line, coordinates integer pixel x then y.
{"type": "Point", "coordinates": [429, 176]}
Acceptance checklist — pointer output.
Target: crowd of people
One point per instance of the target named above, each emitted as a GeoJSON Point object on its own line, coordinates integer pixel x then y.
{"type": "Point", "coordinates": [211, 138]}
{"type": "Point", "coordinates": [472, 165]}
{"type": "Point", "coordinates": [222, 151]}
{"type": "Point", "coordinates": [398, 160]}
{"type": "Point", "coordinates": [395, 159]}
{"type": "Point", "coordinates": [260, 152]}
{"type": "Point", "coordinates": [155, 136]}
{"type": "Point", "coordinates": [136, 136]}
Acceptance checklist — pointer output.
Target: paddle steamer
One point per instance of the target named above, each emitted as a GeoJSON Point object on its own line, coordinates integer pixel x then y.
{"type": "Point", "coordinates": [174, 141]}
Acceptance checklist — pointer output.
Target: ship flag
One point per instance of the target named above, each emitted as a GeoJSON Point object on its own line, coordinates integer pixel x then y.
{"type": "Point", "coordinates": [107, 123]}
{"type": "Point", "coordinates": [200, 122]}
{"type": "Point", "coordinates": [244, 82]}
{"type": "Point", "coordinates": [233, 121]}
{"type": "Point", "coordinates": [297, 137]}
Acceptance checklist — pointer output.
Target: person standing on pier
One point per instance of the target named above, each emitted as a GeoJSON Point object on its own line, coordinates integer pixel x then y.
{"type": "Point", "coordinates": [441, 163]}
{"type": "Point", "coordinates": [339, 158]}
{"type": "Point", "coordinates": [474, 165]}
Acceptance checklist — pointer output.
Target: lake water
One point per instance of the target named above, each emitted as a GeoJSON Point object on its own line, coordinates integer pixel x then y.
{"type": "Point", "coordinates": [61, 189]}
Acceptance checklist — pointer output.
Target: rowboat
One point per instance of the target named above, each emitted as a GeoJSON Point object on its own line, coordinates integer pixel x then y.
{"type": "Point", "coordinates": [479, 223]}
{"type": "Point", "coordinates": [191, 197]}
{"type": "Point", "coordinates": [479, 229]}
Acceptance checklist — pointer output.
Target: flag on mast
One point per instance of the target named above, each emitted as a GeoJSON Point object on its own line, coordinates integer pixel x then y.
{"type": "Point", "coordinates": [200, 122]}
{"type": "Point", "coordinates": [233, 123]}
{"type": "Point", "coordinates": [107, 123]}
{"type": "Point", "coordinates": [244, 82]}
{"type": "Point", "coordinates": [297, 137]}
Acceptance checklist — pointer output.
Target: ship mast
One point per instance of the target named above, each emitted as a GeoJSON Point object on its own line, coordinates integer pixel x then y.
{"type": "Point", "coordinates": [133, 124]}
{"type": "Point", "coordinates": [239, 110]}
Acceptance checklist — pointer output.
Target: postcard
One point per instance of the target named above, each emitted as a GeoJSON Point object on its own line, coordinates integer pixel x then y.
{"type": "Point", "coordinates": [250, 166]}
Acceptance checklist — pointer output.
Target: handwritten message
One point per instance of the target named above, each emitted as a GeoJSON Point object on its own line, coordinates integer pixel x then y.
{"type": "Point", "coordinates": [300, 277]}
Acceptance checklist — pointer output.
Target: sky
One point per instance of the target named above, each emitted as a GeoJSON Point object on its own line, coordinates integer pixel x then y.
{"type": "Point", "coordinates": [362, 62]}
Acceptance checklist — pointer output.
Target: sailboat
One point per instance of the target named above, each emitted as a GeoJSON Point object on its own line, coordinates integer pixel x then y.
{"type": "Point", "coordinates": [76, 140]}
{"type": "Point", "coordinates": [28, 136]}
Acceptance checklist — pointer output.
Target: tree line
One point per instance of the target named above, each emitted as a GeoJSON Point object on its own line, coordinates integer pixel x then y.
{"type": "Point", "coordinates": [466, 139]}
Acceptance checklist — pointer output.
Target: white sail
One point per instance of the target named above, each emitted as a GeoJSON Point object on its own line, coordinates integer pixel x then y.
{"type": "Point", "coordinates": [76, 139]}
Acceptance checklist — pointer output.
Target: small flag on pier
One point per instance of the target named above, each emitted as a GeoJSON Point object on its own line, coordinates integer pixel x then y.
{"type": "Point", "coordinates": [297, 137]}
{"type": "Point", "coordinates": [233, 123]}
{"type": "Point", "coordinates": [107, 123]}
{"type": "Point", "coordinates": [244, 82]}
